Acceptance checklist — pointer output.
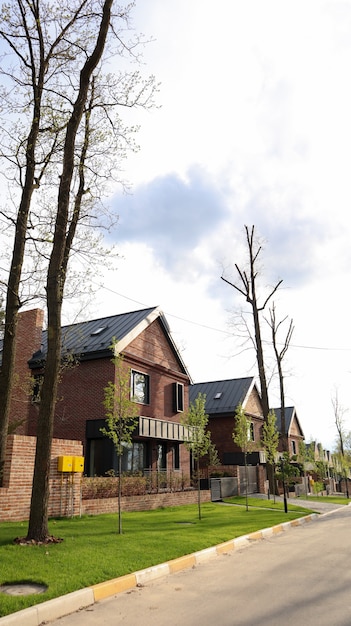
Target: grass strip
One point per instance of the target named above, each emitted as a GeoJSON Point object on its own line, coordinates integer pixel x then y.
{"type": "Point", "coordinates": [92, 551]}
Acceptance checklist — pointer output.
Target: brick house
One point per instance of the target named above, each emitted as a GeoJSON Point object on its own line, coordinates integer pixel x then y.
{"type": "Point", "coordinates": [222, 400]}
{"type": "Point", "coordinates": [293, 430]}
{"type": "Point", "coordinates": [159, 380]}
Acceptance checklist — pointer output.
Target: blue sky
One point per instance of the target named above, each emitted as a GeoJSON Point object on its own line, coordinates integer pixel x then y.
{"type": "Point", "coordinates": [253, 127]}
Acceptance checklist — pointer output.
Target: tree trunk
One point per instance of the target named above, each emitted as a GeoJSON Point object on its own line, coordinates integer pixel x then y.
{"type": "Point", "coordinates": [198, 486]}
{"type": "Point", "coordinates": [120, 492]}
{"type": "Point", "coordinates": [63, 237]}
{"type": "Point", "coordinates": [12, 297]}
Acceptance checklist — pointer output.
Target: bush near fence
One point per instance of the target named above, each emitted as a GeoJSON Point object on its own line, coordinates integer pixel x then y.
{"type": "Point", "coordinates": [100, 487]}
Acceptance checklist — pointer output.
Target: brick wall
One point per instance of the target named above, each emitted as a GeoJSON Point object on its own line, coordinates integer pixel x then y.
{"type": "Point", "coordinates": [143, 503]}
{"type": "Point", "coordinates": [15, 496]}
{"type": "Point", "coordinates": [80, 398]}
{"type": "Point", "coordinates": [65, 488]}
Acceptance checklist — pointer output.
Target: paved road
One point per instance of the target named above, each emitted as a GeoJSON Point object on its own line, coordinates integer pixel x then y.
{"type": "Point", "coordinates": [301, 577]}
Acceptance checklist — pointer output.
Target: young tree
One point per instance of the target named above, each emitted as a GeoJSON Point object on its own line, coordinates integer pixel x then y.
{"type": "Point", "coordinates": [199, 441]}
{"type": "Point", "coordinates": [242, 437]}
{"type": "Point", "coordinates": [121, 415]}
{"type": "Point", "coordinates": [307, 459]}
{"type": "Point", "coordinates": [286, 471]}
{"type": "Point", "coordinates": [339, 413]}
{"type": "Point", "coordinates": [270, 441]}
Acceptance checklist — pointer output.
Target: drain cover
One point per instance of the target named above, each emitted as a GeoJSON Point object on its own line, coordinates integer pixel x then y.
{"type": "Point", "coordinates": [22, 589]}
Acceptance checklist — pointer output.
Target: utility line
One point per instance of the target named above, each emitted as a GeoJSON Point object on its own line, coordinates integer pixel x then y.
{"type": "Point", "coordinates": [219, 330]}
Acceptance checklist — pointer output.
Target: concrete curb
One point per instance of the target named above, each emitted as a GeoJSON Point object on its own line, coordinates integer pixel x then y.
{"type": "Point", "coordinates": [59, 607]}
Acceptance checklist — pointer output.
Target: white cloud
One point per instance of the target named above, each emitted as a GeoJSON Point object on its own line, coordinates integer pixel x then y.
{"type": "Point", "coordinates": [254, 129]}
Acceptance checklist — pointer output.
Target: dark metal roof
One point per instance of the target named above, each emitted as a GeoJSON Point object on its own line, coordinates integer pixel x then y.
{"type": "Point", "coordinates": [290, 415]}
{"type": "Point", "coordinates": [95, 336]}
{"type": "Point", "coordinates": [223, 396]}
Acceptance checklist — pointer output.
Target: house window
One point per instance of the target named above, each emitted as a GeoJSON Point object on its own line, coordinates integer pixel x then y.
{"type": "Point", "coordinates": [161, 456]}
{"type": "Point", "coordinates": [293, 447]}
{"type": "Point", "coordinates": [134, 457]}
{"type": "Point", "coordinates": [175, 456]}
{"type": "Point", "coordinates": [178, 396]}
{"type": "Point", "coordinates": [140, 390]}
{"type": "Point", "coordinates": [250, 431]}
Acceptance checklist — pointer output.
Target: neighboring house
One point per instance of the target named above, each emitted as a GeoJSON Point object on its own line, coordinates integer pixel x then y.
{"type": "Point", "coordinates": [317, 454]}
{"type": "Point", "coordinates": [293, 430]}
{"type": "Point", "coordinates": [222, 400]}
{"type": "Point", "coordinates": [159, 383]}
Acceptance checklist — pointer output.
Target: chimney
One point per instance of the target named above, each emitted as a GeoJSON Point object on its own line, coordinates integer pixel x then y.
{"type": "Point", "coordinates": [28, 341]}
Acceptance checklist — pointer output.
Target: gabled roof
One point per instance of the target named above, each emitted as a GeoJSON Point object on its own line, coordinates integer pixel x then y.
{"type": "Point", "coordinates": [290, 416]}
{"type": "Point", "coordinates": [223, 396]}
{"type": "Point", "coordinates": [92, 339]}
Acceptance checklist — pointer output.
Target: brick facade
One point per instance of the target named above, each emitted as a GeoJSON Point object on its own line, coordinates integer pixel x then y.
{"type": "Point", "coordinates": [15, 495]}
{"type": "Point", "coordinates": [81, 389]}
{"type": "Point", "coordinates": [221, 428]}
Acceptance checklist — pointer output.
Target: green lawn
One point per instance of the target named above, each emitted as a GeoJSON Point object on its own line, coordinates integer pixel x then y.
{"type": "Point", "coordinates": [92, 551]}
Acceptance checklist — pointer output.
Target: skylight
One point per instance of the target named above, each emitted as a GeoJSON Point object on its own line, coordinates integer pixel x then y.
{"type": "Point", "coordinates": [218, 395]}
{"type": "Point", "coordinates": [98, 331]}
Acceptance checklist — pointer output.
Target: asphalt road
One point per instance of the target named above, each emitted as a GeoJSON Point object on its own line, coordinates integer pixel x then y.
{"type": "Point", "coordinates": [301, 577]}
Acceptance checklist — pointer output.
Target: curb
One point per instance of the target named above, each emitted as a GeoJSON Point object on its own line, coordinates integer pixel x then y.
{"type": "Point", "coordinates": [72, 602]}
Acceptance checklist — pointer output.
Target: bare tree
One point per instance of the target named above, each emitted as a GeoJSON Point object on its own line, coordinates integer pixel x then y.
{"type": "Point", "coordinates": [247, 286]}
{"type": "Point", "coordinates": [279, 355]}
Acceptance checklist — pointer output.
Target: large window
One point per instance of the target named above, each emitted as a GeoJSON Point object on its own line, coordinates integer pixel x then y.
{"type": "Point", "coordinates": [161, 456]}
{"type": "Point", "coordinates": [102, 457]}
{"type": "Point", "coordinates": [140, 387]}
{"type": "Point", "coordinates": [178, 397]}
{"type": "Point", "coordinates": [134, 457]}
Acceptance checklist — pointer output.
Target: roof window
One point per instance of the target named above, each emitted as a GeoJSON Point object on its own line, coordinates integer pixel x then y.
{"type": "Point", "coordinates": [98, 331]}
{"type": "Point", "coordinates": [218, 395]}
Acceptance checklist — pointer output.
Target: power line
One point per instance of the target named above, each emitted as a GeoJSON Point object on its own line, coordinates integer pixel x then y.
{"type": "Point", "coordinates": [220, 330]}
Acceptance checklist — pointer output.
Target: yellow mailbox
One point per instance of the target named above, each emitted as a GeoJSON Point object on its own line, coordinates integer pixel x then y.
{"type": "Point", "coordinates": [77, 463]}
{"type": "Point", "coordinates": [64, 464]}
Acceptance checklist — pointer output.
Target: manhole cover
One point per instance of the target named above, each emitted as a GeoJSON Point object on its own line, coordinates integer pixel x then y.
{"type": "Point", "coordinates": [22, 589]}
